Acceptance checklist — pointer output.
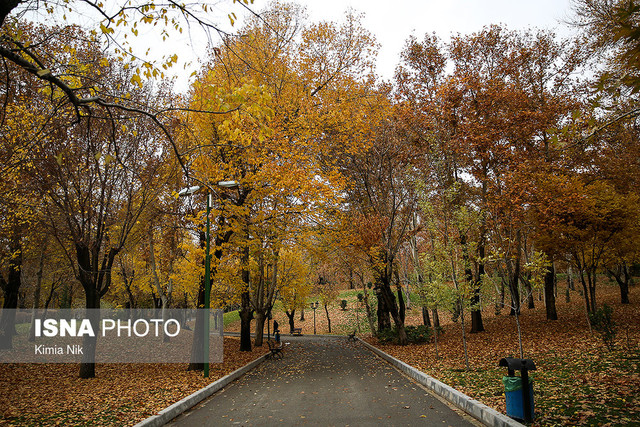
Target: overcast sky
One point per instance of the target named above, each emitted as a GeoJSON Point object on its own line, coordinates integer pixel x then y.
{"type": "Point", "coordinates": [393, 21]}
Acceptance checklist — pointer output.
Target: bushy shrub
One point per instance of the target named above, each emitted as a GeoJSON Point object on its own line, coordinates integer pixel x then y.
{"type": "Point", "coordinates": [602, 321]}
{"type": "Point", "coordinates": [387, 335]}
{"type": "Point", "coordinates": [415, 335]}
{"type": "Point", "coordinates": [418, 334]}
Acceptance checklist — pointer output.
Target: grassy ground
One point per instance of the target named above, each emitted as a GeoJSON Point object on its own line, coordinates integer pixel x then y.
{"type": "Point", "coordinates": [577, 381]}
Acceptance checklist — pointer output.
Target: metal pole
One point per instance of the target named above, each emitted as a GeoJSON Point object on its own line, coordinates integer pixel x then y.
{"type": "Point", "coordinates": [314, 318]}
{"type": "Point", "coordinates": [207, 289]}
{"type": "Point", "coordinates": [526, 394]}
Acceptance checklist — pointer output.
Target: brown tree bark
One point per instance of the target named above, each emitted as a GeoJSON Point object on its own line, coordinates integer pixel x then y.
{"type": "Point", "coordinates": [10, 287]}
{"type": "Point", "coordinates": [197, 345]}
{"type": "Point", "coordinates": [290, 316]}
{"type": "Point", "coordinates": [326, 310]}
{"type": "Point", "coordinates": [515, 278]}
{"type": "Point", "coordinates": [95, 278]}
{"type": "Point", "coordinates": [549, 294]}
{"type": "Point", "coordinates": [384, 319]}
{"type": "Point", "coordinates": [623, 278]}
{"type": "Point", "coordinates": [425, 316]}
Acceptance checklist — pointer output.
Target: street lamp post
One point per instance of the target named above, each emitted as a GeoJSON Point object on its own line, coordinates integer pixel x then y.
{"type": "Point", "coordinates": [207, 264]}
{"type": "Point", "coordinates": [314, 306]}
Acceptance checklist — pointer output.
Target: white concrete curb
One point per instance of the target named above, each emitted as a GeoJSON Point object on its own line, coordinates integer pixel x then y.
{"type": "Point", "coordinates": [479, 411]}
{"type": "Point", "coordinates": [179, 407]}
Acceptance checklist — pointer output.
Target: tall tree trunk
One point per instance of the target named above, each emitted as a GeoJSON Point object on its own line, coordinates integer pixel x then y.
{"type": "Point", "coordinates": [384, 319]}
{"type": "Point", "coordinates": [165, 308]}
{"type": "Point", "coordinates": [464, 338]}
{"type": "Point", "coordinates": [425, 316]}
{"type": "Point", "coordinates": [370, 319]}
{"type": "Point", "coordinates": [586, 297]}
{"type": "Point", "coordinates": [164, 294]}
{"type": "Point", "coordinates": [407, 297]}
{"type": "Point", "coordinates": [132, 300]}
{"type": "Point", "coordinates": [52, 291]}
{"type": "Point", "coordinates": [435, 338]}
{"type": "Point", "coordinates": [326, 310]}
{"type": "Point", "coordinates": [264, 295]}
{"type": "Point", "coordinates": [401, 305]}
{"type": "Point", "coordinates": [246, 314]}
{"type": "Point", "coordinates": [95, 278]}
{"type": "Point", "coordinates": [392, 308]}
{"type": "Point", "coordinates": [592, 292]}
{"type": "Point", "coordinates": [436, 318]}
{"type": "Point", "coordinates": [622, 276]}
{"type": "Point", "coordinates": [476, 308]}
{"type": "Point", "coordinates": [88, 364]}
{"type": "Point", "coordinates": [549, 295]}
{"type": "Point", "coordinates": [402, 309]}
{"type": "Point", "coordinates": [529, 289]}
{"type": "Point", "coordinates": [10, 288]}
{"type": "Point", "coordinates": [37, 292]}
{"type": "Point", "coordinates": [476, 313]}
{"type": "Point", "coordinates": [197, 345]}
{"type": "Point", "coordinates": [515, 278]}
{"type": "Point", "coordinates": [570, 283]}
{"type": "Point", "coordinates": [66, 299]}
{"type": "Point", "coordinates": [291, 315]}
{"type": "Point", "coordinates": [591, 281]}
{"type": "Point", "coordinates": [260, 317]}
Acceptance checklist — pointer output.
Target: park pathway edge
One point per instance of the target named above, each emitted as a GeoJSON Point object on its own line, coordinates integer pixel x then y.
{"type": "Point", "coordinates": [170, 412]}
{"type": "Point", "coordinates": [486, 415]}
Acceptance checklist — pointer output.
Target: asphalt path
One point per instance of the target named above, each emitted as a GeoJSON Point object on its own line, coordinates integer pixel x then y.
{"type": "Point", "coordinates": [326, 382]}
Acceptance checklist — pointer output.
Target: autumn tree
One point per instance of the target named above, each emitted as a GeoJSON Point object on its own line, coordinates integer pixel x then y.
{"type": "Point", "coordinates": [26, 118]}
{"type": "Point", "coordinates": [428, 108]}
{"type": "Point", "coordinates": [117, 26]}
{"type": "Point", "coordinates": [487, 128]}
{"type": "Point", "coordinates": [286, 82]}
{"type": "Point", "coordinates": [95, 176]}
{"type": "Point", "coordinates": [294, 282]}
{"type": "Point", "coordinates": [593, 216]}
{"type": "Point", "coordinates": [610, 28]}
{"type": "Point", "coordinates": [383, 202]}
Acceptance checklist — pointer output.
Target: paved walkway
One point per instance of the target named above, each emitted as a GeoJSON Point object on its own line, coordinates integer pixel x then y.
{"type": "Point", "coordinates": [326, 382]}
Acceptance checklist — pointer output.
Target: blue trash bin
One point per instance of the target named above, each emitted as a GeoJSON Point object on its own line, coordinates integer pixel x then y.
{"type": "Point", "coordinates": [514, 397]}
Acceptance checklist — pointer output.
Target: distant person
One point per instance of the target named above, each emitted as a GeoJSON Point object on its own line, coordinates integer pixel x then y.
{"type": "Point", "coordinates": [276, 331]}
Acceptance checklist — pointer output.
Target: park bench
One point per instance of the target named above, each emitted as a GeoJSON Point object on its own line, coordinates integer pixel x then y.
{"type": "Point", "coordinates": [275, 349]}
{"type": "Point", "coordinates": [352, 336]}
{"type": "Point", "coordinates": [297, 331]}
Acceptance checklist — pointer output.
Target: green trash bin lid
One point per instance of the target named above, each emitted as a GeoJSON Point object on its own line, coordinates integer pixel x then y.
{"type": "Point", "coordinates": [513, 383]}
